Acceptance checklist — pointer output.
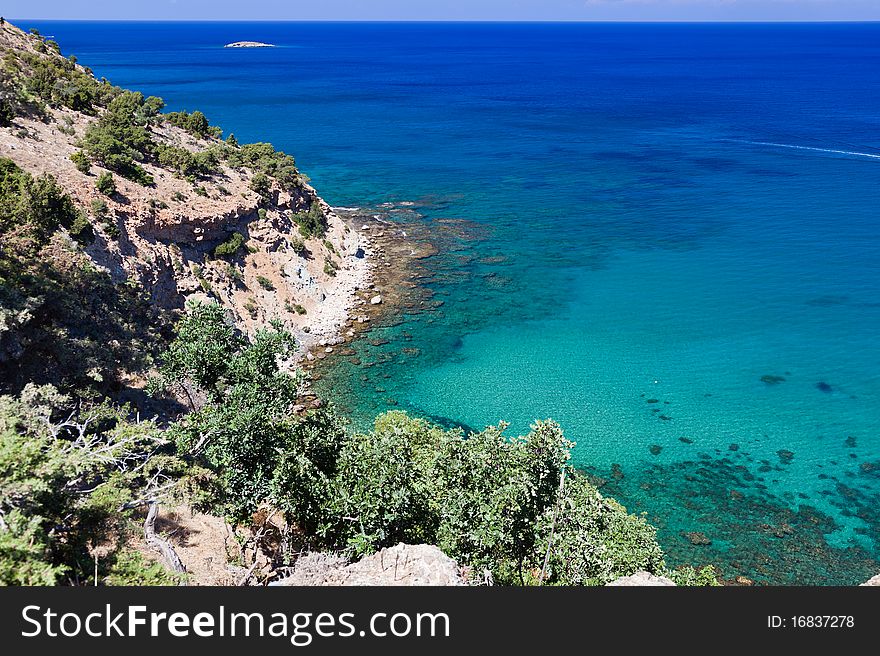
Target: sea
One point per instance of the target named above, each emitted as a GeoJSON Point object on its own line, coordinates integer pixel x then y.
{"type": "Point", "coordinates": [662, 236]}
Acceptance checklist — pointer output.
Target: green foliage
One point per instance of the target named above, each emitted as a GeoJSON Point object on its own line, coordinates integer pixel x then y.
{"type": "Point", "coordinates": [265, 283]}
{"type": "Point", "coordinates": [263, 158]}
{"type": "Point", "coordinates": [689, 576]}
{"type": "Point", "coordinates": [233, 273]}
{"type": "Point", "coordinates": [31, 209]}
{"type": "Point", "coordinates": [232, 141]}
{"type": "Point", "coordinates": [7, 112]}
{"type": "Point", "coordinates": [261, 184]}
{"type": "Point", "coordinates": [311, 222]}
{"type": "Point", "coordinates": [80, 229]}
{"type": "Point", "coordinates": [185, 163]}
{"type": "Point", "coordinates": [64, 473]}
{"type": "Point", "coordinates": [246, 432]}
{"type": "Point", "coordinates": [81, 161]}
{"type": "Point", "coordinates": [298, 246]}
{"type": "Point", "coordinates": [130, 568]}
{"type": "Point", "coordinates": [102, 213]}
{"type": "Point", "coordinates": [489, 501]}
{"type": "Point", "coordinates": [120, 138]}
{"type": "Point", "coordinates": [99, 209]}
{"type": "Point", "coordinates": [106, 184]}
{"type": "Point", "coordinates": [497, 490]}
{"type": "Point", "coordinates": [386, 487]}
{"type": "Point", "coordinates": [231, 246]}
{"type": "Point", "coordinates": [152, 106]}
{"type": "Point", "coordinates": [194, 123]}
{"type": "Point", "coordinates": [57, 81]}
{"type": "Point", "coordinates": [302, 481]}
{"type": "Point", "coordinates": [201, 353]}
{"type": "Point", "coordinates": [593, 541]}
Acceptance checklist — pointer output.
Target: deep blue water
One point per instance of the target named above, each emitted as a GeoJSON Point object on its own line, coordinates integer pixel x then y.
{"type": "Point", "coordinates": [647, 220]}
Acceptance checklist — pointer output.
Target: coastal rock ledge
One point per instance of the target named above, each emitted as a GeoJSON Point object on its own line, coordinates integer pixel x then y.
{"type": "Point", "coordinates": [249, 44]}
{"type": "Point", "coordinates": [874, 582]}
{"type": "Point", "coordinates": [642, 579]}
{"type": "Point", "coordinates": [402, 565]}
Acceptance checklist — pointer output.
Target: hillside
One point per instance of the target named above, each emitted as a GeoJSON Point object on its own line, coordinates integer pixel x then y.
{"type": "Point", "coordinates": [190, 215]}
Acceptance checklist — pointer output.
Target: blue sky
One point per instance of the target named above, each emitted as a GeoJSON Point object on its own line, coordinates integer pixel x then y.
{"type": "Point", "coordinates": [445, 9]}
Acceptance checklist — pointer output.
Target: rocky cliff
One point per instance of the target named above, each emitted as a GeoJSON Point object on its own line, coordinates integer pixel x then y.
{"type": "Point", "coordinates": [162, 237]}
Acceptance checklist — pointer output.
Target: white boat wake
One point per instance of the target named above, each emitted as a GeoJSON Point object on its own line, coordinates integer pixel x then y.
{"type": "Point", "coordinates": [821, 150]}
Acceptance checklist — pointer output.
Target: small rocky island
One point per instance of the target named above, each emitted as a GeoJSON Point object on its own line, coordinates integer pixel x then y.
{"type": "Point", "coordinates": [249, 44]}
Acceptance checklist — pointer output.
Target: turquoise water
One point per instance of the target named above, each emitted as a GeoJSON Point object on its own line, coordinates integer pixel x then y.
{"type": "Point", "coordinates": [636, 223]}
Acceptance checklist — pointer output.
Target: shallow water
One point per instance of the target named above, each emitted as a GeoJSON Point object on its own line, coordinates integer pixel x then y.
{"type": "Point", "coordinates": [636, 224]}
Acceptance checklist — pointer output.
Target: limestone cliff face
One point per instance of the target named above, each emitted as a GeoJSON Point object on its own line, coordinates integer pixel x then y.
{"type": "Point", "coordinates": [162, 237]}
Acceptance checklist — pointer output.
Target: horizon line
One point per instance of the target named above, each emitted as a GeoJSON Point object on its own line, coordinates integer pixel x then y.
{"type": "Point", "coordinates": [456, 21]}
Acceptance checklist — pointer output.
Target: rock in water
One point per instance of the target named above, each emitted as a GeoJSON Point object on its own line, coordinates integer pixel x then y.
{"type": "Point", "coordinates": [249, 44]}
{"type": "Point", "coordinates": [642, 579]}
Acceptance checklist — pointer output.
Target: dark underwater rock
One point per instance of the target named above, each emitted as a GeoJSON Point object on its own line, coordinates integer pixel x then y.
{"type": "Point", "coordinates": [785, 456]}
{"type": "Point", "coordinates": [697, 538]}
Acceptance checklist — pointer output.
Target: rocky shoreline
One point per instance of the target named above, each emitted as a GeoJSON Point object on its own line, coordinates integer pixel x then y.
{"type": "Point", "coordinates": [375, 291]}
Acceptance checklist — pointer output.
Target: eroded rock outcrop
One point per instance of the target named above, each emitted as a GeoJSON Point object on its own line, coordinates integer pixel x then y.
{"type": "Point", "coordinates": [642, 579]}
{"type": "Point", "coordinates": [402, 565]}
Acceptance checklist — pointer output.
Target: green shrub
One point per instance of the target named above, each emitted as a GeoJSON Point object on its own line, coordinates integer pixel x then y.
{"type": "Point", "coordinates": [261, 184]}
{"type": "Point", "coordinates": [7, 112]}
{"type": "Point", "coordinates": [231, 246]}
{"type": "Point", "coordinates": [119, 138]}
{"type": "Point", "coordinates": [594, 540]}
{"type": "Point", "coordinates": [234, 274]}
{"type": "Point", "coordinates": [99, 209]}
{"type": "Point", "coordinates": [294, 307]}
{"type": "Point", "coordinates": [106, 184]}
{"type": "Point", "coordinates": [265, 283]}
{"type": "Point", "coordinates": [152, 106]}
{"type": "Point", "coordinates": [311, 222]}
{"type": "Point", "coordinates": [185, 163]}
{"type": "Point", "coordinates": [32, 208]}
{"type": "Point", "coordinates": [263, 158]}
{"type": "Point", "coordinates": [80, 229]}
{"type": "Point", "coordinates": [688, 576]}
{"type": "Point", "coordinates": [81, 162]}
{"type": "Point", "coordinates": [194, 123]}
{"type": "Point", "coordinates": [62, 490]}
{"type": "Point", "coordinates": [298, 246]}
